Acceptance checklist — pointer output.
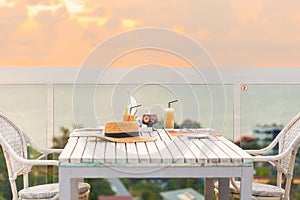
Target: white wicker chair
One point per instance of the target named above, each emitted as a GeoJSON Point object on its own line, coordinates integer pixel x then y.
{"type": "Point", "coordinates": [14, 143]}
{"type": "Point", "coordinates": [284, 161]}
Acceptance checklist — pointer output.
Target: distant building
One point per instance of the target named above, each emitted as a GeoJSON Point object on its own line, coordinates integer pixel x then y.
{"type": "Point", "coordinates": [182, 194]}
{"type": "Point", "coordinates": [266, 134]}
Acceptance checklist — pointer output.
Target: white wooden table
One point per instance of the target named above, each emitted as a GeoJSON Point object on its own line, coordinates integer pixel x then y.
{"type": "Point", "coordinates": [169, 157]}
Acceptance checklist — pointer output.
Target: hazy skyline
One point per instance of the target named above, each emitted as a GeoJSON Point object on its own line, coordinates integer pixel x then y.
{"type": "Point", "coordinates": [234, 33]}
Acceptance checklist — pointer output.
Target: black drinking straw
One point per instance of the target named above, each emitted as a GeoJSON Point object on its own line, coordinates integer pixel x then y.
{"type": "Point", "coordinates": [131, 109]}
{"type": "Point", "coordinates": [169, 103]}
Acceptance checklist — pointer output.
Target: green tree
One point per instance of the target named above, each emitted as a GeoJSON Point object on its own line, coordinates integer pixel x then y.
{"type": "Point", "coordinates": [188, 123]}
{"type": "Point", "coordinates": [99, 187]}
{"type": "Point", "coordinates": [5, 192]}
{"type": "Point", "coordinates": [296, 193]}
{"type": "Point", "coordinates": [253, 144]}
{"type": "Point", "coordinates": [262, 171]}
{"type": "Point", "coordinates": [61, 141]}
{"type": "Point", "coordinates": [179, 183]}
{"type": "Point", "coordinates": [146, 190]}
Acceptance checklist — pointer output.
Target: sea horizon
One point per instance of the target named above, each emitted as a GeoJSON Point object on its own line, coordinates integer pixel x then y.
{"type": "Point", "coordinates": [28, 104]}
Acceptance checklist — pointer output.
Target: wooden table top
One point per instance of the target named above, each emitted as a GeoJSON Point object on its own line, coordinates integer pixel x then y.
{"type": "Point", "coordinates": [205, 150]}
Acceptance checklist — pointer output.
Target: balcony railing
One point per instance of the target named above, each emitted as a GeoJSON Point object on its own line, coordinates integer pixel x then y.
{"type": "Point", "coordinates": [41, 100]}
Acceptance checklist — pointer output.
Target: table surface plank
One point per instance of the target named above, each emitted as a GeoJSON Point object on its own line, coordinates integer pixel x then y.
{"type": "Point", "coordinates": [168, 149]}
{"type": "Point", "coordinates": [154, 154]}
{"type": "Point", "coordinates": [121, 153]}
{"type": "Point", "coordinates": [211, 156]}
{"type": "Point", "coordinates": [89, 151]}
{"type": "Point", "coordinates": [132, 156]}
{"type": "Point", "coordinates": [200, 156]}
{"type": "Point", "coordinates": [68, 150]}
{"type": "Point", "coordinates": [228, 151]}
{"type": "Point", "coordinates": [110, 153]}
{"type": "Point", "coordinates": [142, 152]}
{"type": "Point", "coordinates": [223, 156]}
{"type": "Point", "coordinates": [77, 153]}
{"type": "Point", "coordinates": [184, 149]}
{"type": "Point", "coordinates": [246, 157]}
{"type": "Point", "coordinates": [164, 152]}
{"type": "Point", "coordinates": [99, 152]}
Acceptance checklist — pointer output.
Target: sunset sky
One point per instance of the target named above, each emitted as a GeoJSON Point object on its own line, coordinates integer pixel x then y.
{"type": "Point", "coordinates": [235, 33]}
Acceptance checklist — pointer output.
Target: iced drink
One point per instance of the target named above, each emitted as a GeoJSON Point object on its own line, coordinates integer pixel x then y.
{"type": "Point", "coordinates": [169, 118]}
{"type": "Point", "coordinates": [128, 118]}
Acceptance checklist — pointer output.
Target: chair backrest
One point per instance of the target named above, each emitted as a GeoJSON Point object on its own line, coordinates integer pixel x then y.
{"type": "Point", "coordinates": [12, 139]}
{"type": "Point", "coordinates": [289, 137]}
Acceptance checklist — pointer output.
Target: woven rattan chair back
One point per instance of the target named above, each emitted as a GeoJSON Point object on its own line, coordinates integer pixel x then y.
{"type": "Point", "coordinates": [289, 141]}
{"type": "Point", "coordinates": [12, 138]}
{"type": "Point", "coordinates": [14, 143]}
{"type": "Point", "coordinates": [289, 137]}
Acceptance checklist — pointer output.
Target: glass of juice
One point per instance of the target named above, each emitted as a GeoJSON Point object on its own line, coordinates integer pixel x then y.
{"type": "Point", "coordinates": [169, 118]}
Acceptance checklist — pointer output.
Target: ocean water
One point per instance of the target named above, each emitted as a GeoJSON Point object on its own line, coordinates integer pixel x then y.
{"type": "Point", "coordinates": [93, 105]}
{"type": "Point", "coordinates": [267, 104]}
{"type": "Point", "coordinates": [26, 105]}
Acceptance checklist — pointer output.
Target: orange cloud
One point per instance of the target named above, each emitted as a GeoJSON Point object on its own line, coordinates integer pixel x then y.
{"type": "Point", "coordinates": [7, 4]}
{"type": "Point", "coordinates": [85, 20]}
{"type": "Point", "coordinates": [296, 16]}
{"type": "Point", "coordinates": [204, 34]}
{"type": "Point", "coordinates": [129, 23]}
{"type": "Point", "coordinates": [179, 29]}
{"type": "Point", "coordinates": [34, 10]}
{"type": "Point", "coordinates": [28, 25]}
{"type": "Point", "coordinates": [74, 7]}
{"type": "Point", "coordinates": [247, 10]}
{"type": "Point", "coordinates": [63, 32]}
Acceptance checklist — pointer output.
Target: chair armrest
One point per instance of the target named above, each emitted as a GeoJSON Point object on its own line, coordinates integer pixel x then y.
{"type": "Point", "coordinates": [256, 151]}
{"type": "Point", "coordinates": [6, 148]}
{"type": "Point", "coordinates": [24, 161]}
{"type": "Point", "coordinates": [260, 158]}
{"type": "Point", "coordinates": [45, 151]}
{"type": "Point", "coordinates": [293, 145]}
{"type": "Point", "coordinates": [263, 150]}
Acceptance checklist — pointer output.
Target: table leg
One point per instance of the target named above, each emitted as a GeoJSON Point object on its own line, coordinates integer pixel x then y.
{"type": "Point", "coordinates": [246, 183]}
{"type": "Point", "coordinates": [68, 187]}
{"type": "Point", "coordinates": [208, 188]}
{"type": "Point", "coordinates": [224, 188]}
